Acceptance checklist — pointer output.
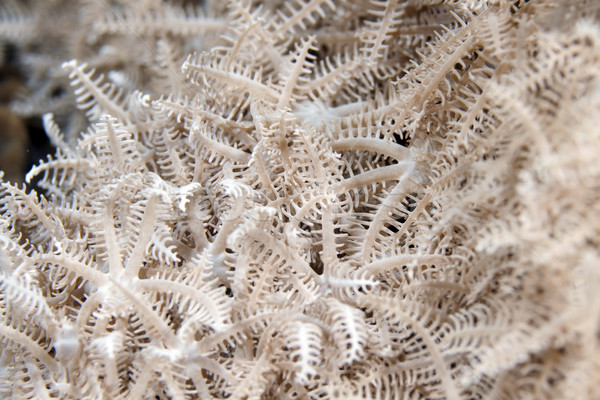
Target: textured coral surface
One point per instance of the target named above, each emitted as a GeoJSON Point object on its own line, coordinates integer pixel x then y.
{"type": "Point", "coordinates": [304, 199]}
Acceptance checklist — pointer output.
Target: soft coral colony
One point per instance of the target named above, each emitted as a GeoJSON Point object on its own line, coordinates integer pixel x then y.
{"type": "Point", "coordinates": [305, 199]}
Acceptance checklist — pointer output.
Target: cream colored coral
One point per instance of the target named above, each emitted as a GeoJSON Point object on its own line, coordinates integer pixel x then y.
{"type": "Point", "coordinates": [332, 199]}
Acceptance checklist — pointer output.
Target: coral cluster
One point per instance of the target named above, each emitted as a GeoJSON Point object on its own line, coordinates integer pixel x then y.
{"type": "Point", "coordinates": [307, 199]}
